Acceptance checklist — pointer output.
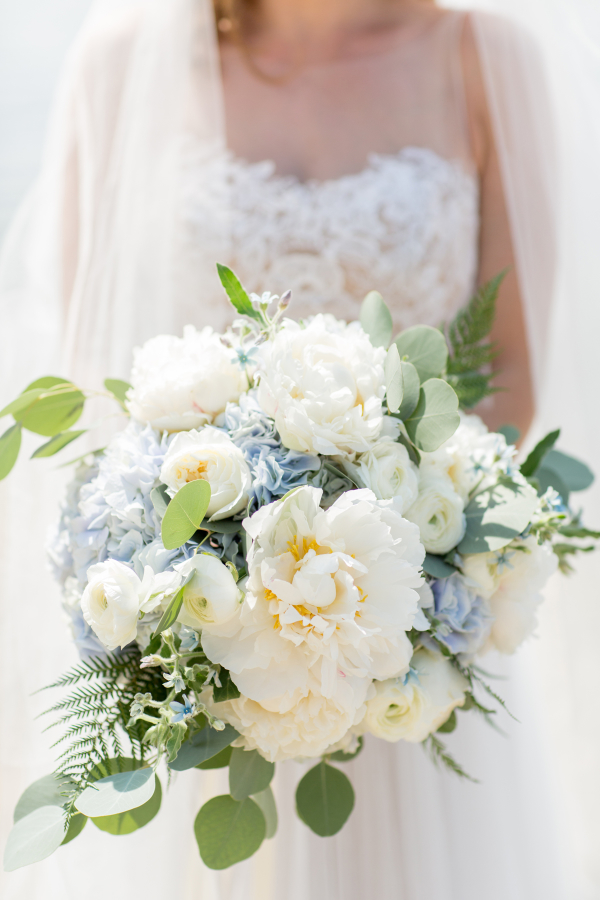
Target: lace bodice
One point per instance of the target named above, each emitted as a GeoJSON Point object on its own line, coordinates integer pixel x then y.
{"type": "Point", "coordinates": [406, 225]}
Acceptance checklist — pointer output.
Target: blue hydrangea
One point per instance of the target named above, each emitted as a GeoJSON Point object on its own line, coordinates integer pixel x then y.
{"type": "Point", "coordinates": [275, 469]}
{"type": "Point", "coordinates": [464, 618]}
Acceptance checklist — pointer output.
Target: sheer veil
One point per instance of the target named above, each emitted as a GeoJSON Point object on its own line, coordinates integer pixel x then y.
{"type": "Point", "coordinates": [95, 264]}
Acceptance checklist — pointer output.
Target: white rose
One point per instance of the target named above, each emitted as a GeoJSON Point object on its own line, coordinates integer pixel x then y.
{"type": "Point", "coordinates": [115, 596]}
{"type": "Point", "coordinates": [387, 470]}
{"type": "Point", "coordinates": [411, 711]}
{"type": "Point", "coordinates": [324, 385]}
{"type": "Point", "coordinates": [212, 596]}
{"type": "Point", "coordinates": [334, 588]}
{"type": "Point", "coordinates": [303, 724]}
{"type": "Point", "coordinates": [211, 455]}
{"type": "Point", "coordinates": [439, 513]}
{"type": "Point", "coordinates": [512, 580]}
{"type": "Point", "coordinates": [183, 383]}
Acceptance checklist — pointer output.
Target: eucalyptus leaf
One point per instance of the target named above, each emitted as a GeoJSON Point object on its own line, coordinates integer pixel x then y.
{"type": "Point", "coordinates": [266, 802]}
{"type": "Point", "coordinates": [56, 409]}
{"type": "Point", "coordinates": [219, 761]}
{"type": "Point", "coordinates": [185, 513]}
{"type": "Point", "coordinates": [170, 614]}
{"type": "Point", "coordinates": [10, 444]}
{"type": "Point", "coordinates": [342, 756]}
{"type": "Point", "coordinates": [324, 799]}
{"type": "Point", "coordinates": [511, 433]}
{"type": "Point", "coordinates": [117, 793]}
{"type": "Point", "coordinates": [394, 390]}
{"type": "Point", "coordinates": [118, 389]}
{"type": "Point", "coordinates": [56, 443]}
{"type": "Point", "coordinates": [435, 418]}
{"type": "Point", "coordinates": [132, 819]}
{"type": "Point", "coordinates": [48, 381]}
{"type": "Point", "coordinates": [376, 319]}
{"type": "Point", "coordinates": [227, 691]}
{"type": "Point", "coordinates": [411, 386]}
{"type": "Point", "coordinates": [228, 831]}
{"type": "Point", "coordinates": [47, 791]}
{"type": "Point", "coordinates": [202, 746]}
{"type": "Point", "coordinates": [545, 478]}
{"type": "Point", "coordinates": [574, 473]}
{"type": "Point", "coordinates": [249, 773]}
{"type": "Point", "coordinates": [34, 837]}
{"type": "Point", "coordinates": [449, 725]}
{"type": "Point", "coordinates": [437, 567]}
{"type": "Point", "coordinates": [496, 516]}
{"type": "Point", "coordinates": [76, 826]}
{"type": "Point", "coordinates": [21, 403]}
{"type": "Point", "coordinates": [222, 526]}
{"type": "Point", "coordinates": [237, 295]}
{"type": "Point", "coordinates": [425, 347]}
{"type": "Point", "coordinates": [533, 461]}
{"type": "Point", "coordinates": [160, 499]}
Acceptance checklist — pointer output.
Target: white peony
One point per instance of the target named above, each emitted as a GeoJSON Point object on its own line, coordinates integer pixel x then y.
{"type": "Point", "coordinates": [303, 724]}
{"type": "Point", "coordinates": [512, 580]}
{"type": "Point", "coordinates": [387, 470]}
{"type": "Point", "coordinates": [183, 383]}
{"type": "Point", "coordinates": [211, 455]}
{"type": "Point", "coordinates": [323, 383]}
{"type": "Point", "coordinates": [330, 590]}
{"type": "Point", "coordinates": [115, 597]}
{"type": "Point", "coordinates": [212, 596]}
{"type": "Point", "coordinates": [412, 710]}
{"type": "Point", "coordinates": [439, 513]}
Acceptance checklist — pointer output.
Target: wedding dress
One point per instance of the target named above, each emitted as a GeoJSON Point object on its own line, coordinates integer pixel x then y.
{"type": "Point", "coordinates": [407, 224]}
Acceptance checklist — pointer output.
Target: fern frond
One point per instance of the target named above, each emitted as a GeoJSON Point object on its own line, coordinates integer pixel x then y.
{"type": "Point", "coordinates": [440, 756]}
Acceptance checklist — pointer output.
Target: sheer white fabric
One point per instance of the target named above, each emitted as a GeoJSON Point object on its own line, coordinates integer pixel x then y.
{"type": "Point", "coordinates": [139, 83]}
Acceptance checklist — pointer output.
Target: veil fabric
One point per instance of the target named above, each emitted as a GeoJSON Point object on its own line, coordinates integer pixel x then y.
{"type": "Point", "coordinates": [96, 264]}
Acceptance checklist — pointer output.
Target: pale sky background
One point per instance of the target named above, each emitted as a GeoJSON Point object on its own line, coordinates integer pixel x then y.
{"type": "Point", "coordinates": [34, 36]}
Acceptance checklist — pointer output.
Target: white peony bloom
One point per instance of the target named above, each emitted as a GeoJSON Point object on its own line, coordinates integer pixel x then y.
{"type": "Point", "coordinates": [211, 455]}
{"type": "Point", "coordinates": [183, 383]}
{"type": "Point", "coordinates": [411, 711]}
{"type": "Point", "coordinates": [387, 470]}
{"type": "Point", "coordinates": [115, 596]}
{"type": "Point", "coordinates": [303, 724]}
{"type": "Point", "coordinates": [212, 596]}
{"type": "Point", "coordinates": [512, 580]}
{"type": "Point", "coordinates": [323, 384]}
{"type": "Point", "coordinates": [332, 590]}
{"type": "Point", "coordinates": [439, 513]}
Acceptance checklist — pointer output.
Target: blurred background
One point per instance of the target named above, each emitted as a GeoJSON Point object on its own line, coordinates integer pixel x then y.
{"type": "Point", "coordinates": [34, 35]}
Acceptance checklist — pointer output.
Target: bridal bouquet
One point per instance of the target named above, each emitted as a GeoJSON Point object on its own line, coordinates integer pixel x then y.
{"type": "Point", "coordinates": [298, 540]}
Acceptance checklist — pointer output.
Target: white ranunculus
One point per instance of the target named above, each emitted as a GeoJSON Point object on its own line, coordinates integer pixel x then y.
{"type": "Point", "coordinates": [411, 711]}
{"type": "Point", "coordinates": [512, 580]}
{"type": "Point", "coordinates": [323, 384]}
{"type": "Point", "coordinates": [303, 724]}
{"type": "Point", "coordinates": [334, 589]}
{"type": "Point", "coordinates": [115, 597]}
{"type": "Point", "coordinates": [212, 596]}
{"type": "Point", "coordinates": [439, 513]}
{"type": "Point", "coordinates": [387, 470]}
{"type": "Point", "coordinates": [211, 455]}
{"type": "Point", "coordinates": [183, 383]}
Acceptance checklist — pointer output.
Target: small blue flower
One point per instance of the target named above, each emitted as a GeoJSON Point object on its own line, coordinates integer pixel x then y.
{"type": "Point", "coordinates": [174, 680]}
{"type": "Point", "coordinates": [189, 639]}
{"type": "Point", "coordinates": [246, 355]}
{"type": "Point", "coordinates": [182, 710]}
{"type": "Point", "coordinates": [464, 618]}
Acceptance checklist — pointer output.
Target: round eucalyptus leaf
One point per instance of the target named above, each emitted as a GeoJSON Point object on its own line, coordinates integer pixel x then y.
{"type": "Point", "coordinates": [376, 319]}
{"type": "Point", "coordinates": [117, 388]}
{"type": "Point", "coordinates": [76, 826]}
{"type": "Point", "coordinates": [449, 725]}
{"type": "Point", "coordinates": [184, 514]}
{"type": "Point", "coordinates": [219, 761]}
{"type": "Point", "coordinates": [132, 819]}
{"type": "Point", "coordinates": [56, 443]}
{"type": "Point", "coordinates": [572, 472]}
{"type": "Point", "coordinates": [324, 799]}
{"type": "Point", "coordinates": [201, 746]}
{"type": "Point", "coordinates": [117, 793]}
{"type": "Point", "coordinates": [56, 409]}
{"type": "Point", "coordinates": [496, 516]}
{"type": "Point", "coordinates": [228, 831]}
{"type": "Point", "coordinates": [435, 418]}
{"type": "Point", "coordinates": [394, 387]}
{"type": "Point", "coordinates": [46, 791]}
{"type": "Point", "coordinates": [425, 347]}
{"type": "Point", "coordinates": [266, 801]}
{"type": "Point", "coordinates": [411, 387]}
{"type": "Point", "coordinates": [34, 837]}
{"type": "Point", "coordinates": [249, 773]}
{"type": "Point", "coordinates": [10, 444]}
{"type": "Point", "coordinates": [343, 756]}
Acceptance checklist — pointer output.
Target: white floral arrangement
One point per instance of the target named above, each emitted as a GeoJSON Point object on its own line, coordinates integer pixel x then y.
{"type": "Point", "coordinates": [298, 542]}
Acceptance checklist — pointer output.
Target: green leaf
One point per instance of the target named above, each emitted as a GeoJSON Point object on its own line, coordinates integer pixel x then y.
{"type": "Point", "coordinates": [376, 320]}
{"type": "Point", "coordinates": [393, 379]}
{"type": "Point", "coordinates": [76, 826]}
{"type": "Point", "coordinates": [437, 567]}
{"type": "Point", "coordinates": [185, 513]}
{"type": "Point", "coordinates": [221, 526]}
{"type": "Point", "coordinates": [10, 444]}
{"type": "Point", "coordinates": [341, 756]}
{"type": "Point", "coordinates": [496, 516]}
{"type": "Point", "coordinates": [472, 387]}
{"type": "Point", "coordinates": [56, 443]}
{"type": "Point", "coordinates": [435, 418]}
{"type": "Point", "coordinates": [132, 819]}
{"type": "Point", "coordinates": [117, 793]}
{"type": "Point", "coordinates": [118, 389]}
{"type": "Point", "coordinates": [511, 433]}
{"type": "Point", "coordinates": [228, 831]}
{"type": "Point", "coordinates": [413, 453]}
{"type": "Point", "coordinates": [266, 802]}
{"type": "Point", "coordinates": [160, 499]}
{"type": "Point", "coordinates": [34, 837]}
{"type": "Point", "coordinates": [237, 295]}
{"type": "Point", "coordinates": [533, 461]}
{"type": "Point", "coordinates": [474, 322]}
{"type": "Point", "coordinates": [22, 402]}
{"type": "Point", "coordinates": [220, 761]}
{"type": "Point", "coordinates": [572, 472]}
{"type": "Point", "coordinates": [324, 799]}
{"type": "Point", "coordinates": [201, 746]}
{"type": "Point", "coordinates": [411, 386]}
{"type": "Point", "coordinates": [48, 381]}
{"type": "Point", "coordinates": [425, 347]}
{"type": "Point", "coordinates": [55, 409]}
{"type": "Point", "coordinates": [227, 691]}
{"type": "Point", "coordinates": [170, 614]}
{"type": "Point", "coordinates": [449, 725]}
{"type": "Point", "coordinates": [50, 790]}
{"type": "Point", "coordinates": [249, 773]}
